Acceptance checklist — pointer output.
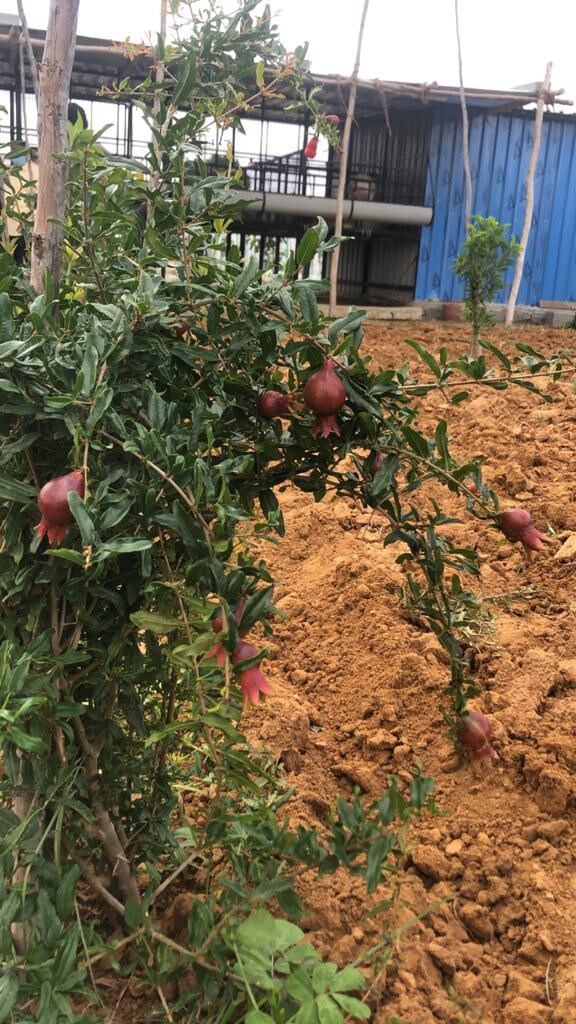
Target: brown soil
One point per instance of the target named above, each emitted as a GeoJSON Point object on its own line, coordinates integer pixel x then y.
{"type": "Point", "coordinates": [357, 696]}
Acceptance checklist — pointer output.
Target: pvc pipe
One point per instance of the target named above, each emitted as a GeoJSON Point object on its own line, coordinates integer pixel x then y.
{"type": "Point", "coordinates": [354, 209]}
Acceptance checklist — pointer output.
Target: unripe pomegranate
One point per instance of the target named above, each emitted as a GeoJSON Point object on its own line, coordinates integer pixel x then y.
{"type": "Point", "coordinates": [53, 504]}
{"type": "Point", "coordinates": [311, 148]}
{"type": "Point", "coordinates": [273, 403]}
{"type": "Point", "coordinates": [324, 392]}
{"type": "Point", "coordinates": [333, 118]}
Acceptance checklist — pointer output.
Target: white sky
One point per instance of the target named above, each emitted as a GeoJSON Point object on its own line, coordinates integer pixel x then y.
{"type": "Point", "coordinates": [505, 42]}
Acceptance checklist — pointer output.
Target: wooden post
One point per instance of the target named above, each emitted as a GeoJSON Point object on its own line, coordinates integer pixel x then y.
{"type": "Point", "coordinates": [515, 288]}
{"type": "Point", "coordinates": [54, 94]}
{"type": "Point", "coordinates": [31, 58]}
{"type": "Point", "coordinates": [334, 259]}
{"type": "Point", "coordinates": [465, 127]}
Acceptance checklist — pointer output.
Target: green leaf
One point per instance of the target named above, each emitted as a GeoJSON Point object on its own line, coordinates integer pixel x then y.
{"type": "Point", "coordinates": [122, 546]}
{"type": "Point", "coordinates": [89, 368]}
{"type": "Point", "coordinates": [66, 554]}
{"type": "Point", "coordinates": [299, 985]}
{"type": "Point", "coordinates": [347, 980]}
{"type": "Point", "coordinates": [249, 272]}
{"type": "Point", "coordinates": [9, 988]}
{"type": "Point", "coordinates": [497, 353]}
{"type": "Point", "coordinates": [15, 490]}
{"type": "Point", "coordinates": [346, 324]}
{"type": "Point", "coordinates": [262, 931]}
{"type": "Point", "coordinates": [308, 304]}
{"type": "Point", "coordinates": [186, 654]}
{"type": "Point", "coordinates": [82, 517]}
{"type": "Point", "coordinates": [258, 1017]}
{"type": "Point", "coordinates": [322, 976]}
{"type": "Point", "coordinates": [441, 438]}
{"type": "Point", "coordinates": [259, 71]}
{"type": "Point", "coordinates": [426, 357]}
{"type": "Point", "coordinates": [377, 853]}
{"type": "Point", "coordinates": [361, 399]}
{"type": "Point", "coordinates": [154, 622]}
{"type": "Point", "coordinates": [307, 247]}
{"type": "Point", "coordinates": [134, 914]}
{"type": "Point", "coordinates": [417, 442]}
{"type": "Point", "coordinates": [8, 348]}
{"type": "Point", "coordinates": [328, 1011]}
{"type": "Point", "coordinates": [354, 1007]}
{"type": "Point", "coordinates": [256, 605]}
{"type": "Point", "coordinates": [307, 1014]}
{"type": "Point", "coordinates": [102, 403]}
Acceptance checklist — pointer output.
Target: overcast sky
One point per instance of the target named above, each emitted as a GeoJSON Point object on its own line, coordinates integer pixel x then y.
{"type": "Point", "coordinates": [506, 42]}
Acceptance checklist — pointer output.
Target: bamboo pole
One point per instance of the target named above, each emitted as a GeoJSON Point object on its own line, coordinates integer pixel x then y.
{"type": "Point", "coordinates": [335, 257]}
{"type": "Point", "coordinates": [29, 49]}
{"type": "Point", "coordinates": [539, 118]}
{"type": "Point", "coordinates": [54, 83]}
{"type": "Point", "coordinates": [465, 126]}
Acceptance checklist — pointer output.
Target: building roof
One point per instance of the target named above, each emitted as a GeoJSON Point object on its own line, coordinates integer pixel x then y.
{"type": "Point", "coordinates": [100, 63]}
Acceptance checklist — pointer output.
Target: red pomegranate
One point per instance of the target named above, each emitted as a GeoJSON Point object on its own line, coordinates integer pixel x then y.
{"type": "Point", "coordinates": [273, 403]}
{"type": "Point", "coordinates": [324, 392]}
{"type": "Point", "coordinates": [53, 504]}
{"type": "Point", "coordinates": [311, 148]}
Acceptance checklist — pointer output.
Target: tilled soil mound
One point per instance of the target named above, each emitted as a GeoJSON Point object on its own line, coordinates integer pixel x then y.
{"type": "Point", "coordinates": [357, 694]}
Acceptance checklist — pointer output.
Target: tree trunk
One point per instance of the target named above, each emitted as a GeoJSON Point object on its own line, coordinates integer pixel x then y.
{"type": "Point", "coordinates": [335, 258]}
{"type": "Point", "coordinates": [54, 93]}
{"type": "Point", "coordinates": [543, 94]}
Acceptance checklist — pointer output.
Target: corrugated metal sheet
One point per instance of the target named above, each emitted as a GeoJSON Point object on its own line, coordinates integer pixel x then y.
{"type": "Point", "coordinates": [500, 148]}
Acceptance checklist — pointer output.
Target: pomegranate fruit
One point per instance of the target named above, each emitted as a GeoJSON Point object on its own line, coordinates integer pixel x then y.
{"type": "Point", "coordinates": [474, 730]}
{"type": "Point", "coordinates": [516, 524]}
{"type": "Point", "coordinates": [54, 508]}
{"type": "Point", "coordinates": [273, 403]}
{"type": "Point", "coordinates": [311, 148]}
{"type": "Point", "coordinates": [324, 392]}
{"type": "Point", "coordinates": [252, 681]}
{"type": "Point", "coordinates": [513, 521]}
{"type": "Point", "coordinates": [333, 118]}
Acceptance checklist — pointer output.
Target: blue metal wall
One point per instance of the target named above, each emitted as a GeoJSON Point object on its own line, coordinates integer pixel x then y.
{"type": "Point", "coordinates": [500, 148]}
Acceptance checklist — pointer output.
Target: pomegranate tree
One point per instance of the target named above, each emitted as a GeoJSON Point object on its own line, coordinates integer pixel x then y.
{"type": "Point", "coordinates": [144, 417]}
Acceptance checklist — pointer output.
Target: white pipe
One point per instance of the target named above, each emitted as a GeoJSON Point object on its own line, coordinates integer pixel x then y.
{"type": "Point", "coordinates": [354, 209]}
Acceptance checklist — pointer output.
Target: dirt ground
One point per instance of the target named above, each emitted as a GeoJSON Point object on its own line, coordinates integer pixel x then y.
{"type": "Point", "coordinates": [357, 696]}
